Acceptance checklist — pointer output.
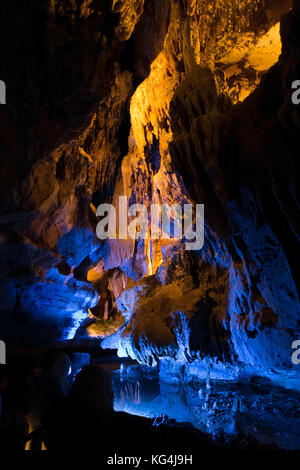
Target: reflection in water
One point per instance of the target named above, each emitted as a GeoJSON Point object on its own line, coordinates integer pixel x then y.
{"type": "Point", "coordinates": [131, 391]}
{"type": "Point", "coordinates": [255, 407]}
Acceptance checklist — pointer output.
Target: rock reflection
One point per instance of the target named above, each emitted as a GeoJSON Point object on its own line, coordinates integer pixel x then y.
{"type": "Point", "coordinates": [254, 407]}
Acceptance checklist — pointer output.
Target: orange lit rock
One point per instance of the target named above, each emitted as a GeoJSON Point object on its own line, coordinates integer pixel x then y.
{"type": "Point", "coordinates": [126, 98]}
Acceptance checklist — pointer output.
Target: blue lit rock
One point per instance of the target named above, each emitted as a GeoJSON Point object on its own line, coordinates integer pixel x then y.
{"type": "Point", "coordinates": [163, 127]}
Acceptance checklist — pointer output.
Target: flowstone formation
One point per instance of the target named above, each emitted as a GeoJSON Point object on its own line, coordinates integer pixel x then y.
{"type": "Point", "coordinates": [162, 101]}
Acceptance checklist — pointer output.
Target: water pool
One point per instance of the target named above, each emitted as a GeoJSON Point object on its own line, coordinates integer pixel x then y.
{"type": "Point", "coordinates": [256, 407]}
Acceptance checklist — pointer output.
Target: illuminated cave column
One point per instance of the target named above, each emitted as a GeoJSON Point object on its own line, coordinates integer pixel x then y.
{"type": "Point", "coordinates": [156, 254]}
{"type": "Point", "coordinates": [148, 256]}
{"type": "Point", "coordinates": [153, 254]}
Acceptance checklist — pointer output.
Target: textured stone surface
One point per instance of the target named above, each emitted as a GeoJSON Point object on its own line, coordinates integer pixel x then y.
{"type": "Point", "coordinates": [146, 99]}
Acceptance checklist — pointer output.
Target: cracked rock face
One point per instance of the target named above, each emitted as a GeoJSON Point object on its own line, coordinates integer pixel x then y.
{"type": "Point", "coordinates": [164, 102]}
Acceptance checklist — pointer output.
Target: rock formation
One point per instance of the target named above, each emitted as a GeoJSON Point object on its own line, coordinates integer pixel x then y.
{"type": "Point", "coordinates": [162, 101]}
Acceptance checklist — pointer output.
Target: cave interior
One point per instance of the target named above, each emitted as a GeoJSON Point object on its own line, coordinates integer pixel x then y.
{"type": "Point", "coordinates": [155, 103]}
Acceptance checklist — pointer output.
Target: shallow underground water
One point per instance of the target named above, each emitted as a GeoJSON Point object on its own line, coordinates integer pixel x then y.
{"type": "Point", "coordinates": [254, 407]}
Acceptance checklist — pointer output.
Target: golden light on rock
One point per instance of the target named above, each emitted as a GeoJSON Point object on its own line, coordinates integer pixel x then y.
{"type": "Point", "coordinates": [177, 108]}
{"type": "Point", "coordinates": [96, 272]}
{"type": "Point", "coordinates": [248, 59]}
{"type": "Point", "coordinates": [266, 51]}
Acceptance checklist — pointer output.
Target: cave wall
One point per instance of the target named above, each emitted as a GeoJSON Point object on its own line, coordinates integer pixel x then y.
{"type": "Point", "coordinates": [147, 99]}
